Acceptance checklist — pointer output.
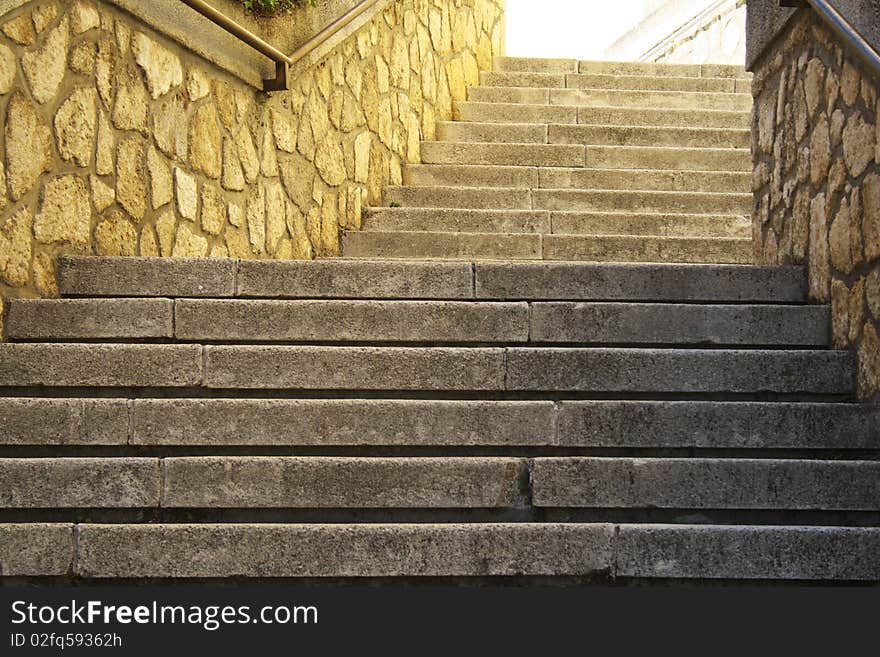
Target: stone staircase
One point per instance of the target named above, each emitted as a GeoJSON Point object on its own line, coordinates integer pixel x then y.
{"type": "Point", "coordinates": [435, 405]}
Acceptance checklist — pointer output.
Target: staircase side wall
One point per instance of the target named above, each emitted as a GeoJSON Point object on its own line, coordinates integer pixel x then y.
{"type": "Point", "coordinates": [816, 179]}
{"type": "Point", "coordinates": [117, 140]}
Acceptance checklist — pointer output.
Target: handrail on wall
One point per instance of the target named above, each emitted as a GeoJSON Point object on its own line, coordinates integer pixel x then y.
{"type": "Point", "coordinates": [843, 29]}
{"type": "Point", "coordinates": [282, 61]}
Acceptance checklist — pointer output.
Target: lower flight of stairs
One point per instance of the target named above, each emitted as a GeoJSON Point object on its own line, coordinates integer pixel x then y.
{"type": "Point", "coordinates": [566, 160]}
{"type": "Point", "coordinates": [408, 419]}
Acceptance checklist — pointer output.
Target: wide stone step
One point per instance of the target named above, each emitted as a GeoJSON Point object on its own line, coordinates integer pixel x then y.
{"type": "Point", "coordinates": [420, 550]}
{"type": "Point", "coordinates": [671, 180]}
{"type": "Point", "coordinates": [644, 69]}
{"type": "Point", "coordinates": [625, 323]}
{"type": "Point", "coordinates": [706, 483]}
{"type": "Point", "coordinates": [667, 117]}
{"type": "Point", "coordinates": [453, 220]}
{"type": "Point", "coordinates": [639, 282]}
{"type": "Point", "coordinates": [351, 321]}
{"type": "Point", "coordinates": [535, 65]}
{"type": "Point", "coordinates": [479, 198]}
{"type": "Point", "coordinates": [689, 159]}
{"type": "Point", "coordinates": [602, 200]}
{"type": "Point", "coordinates": [598, 135]}
{"type": "Point", "coordinates": [691, 100]}
{"type": "Point", "coordinates": [514, 113]}
{"type": "Point", "coordinates": [506, 133]}
{"type": "Point", "coordinates": [658, 224]}
{"type": "Point", "coordinates": [659, 249]}
{"type": "Point", "coordinates": [718, 425]}
{"type": "Point", "coordinates": [41, 319]}
{"type": "Point", "coordinates": [644, 425]}
{"type": "Point", "coordinates": [456, 220]}
{"type": "Point", "coordinates": [390, 279]}
{"type": "Point", "coordinates": [445, 246]}
{"type": "Point", "coordinates": [544, 155]}
{"type": "Point", "coordinates": [470, 175]}
{"type": "Point", "coordinates": [622, 82]}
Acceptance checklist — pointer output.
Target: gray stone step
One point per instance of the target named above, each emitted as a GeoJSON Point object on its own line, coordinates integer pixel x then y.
{"type": "Point", "coordinates": [43, 319]}
{"type": "Point", "coordinates": [680, 371]}
{"type": "Point", "coordinates": [353, 550]}
{"type": "Point", "coordinates": [748, 552]}
{"type": "Point", "coordinates": [645, 179]}
{"type": "Point", "coordinates": [639, 282]}
{"type": "Point", "coordinates": [640, 201]}
{"type": "Point", "coordinates": [36, 549]}
{"type": "Point", "coordinates": [626, 323]}
{"type": "Point", "coordinates": [100, 365]}
{"type": "Point", "coordinates": [648, 136]}
{"type": "Point", "coordinates": [40, 483]}
{"type": "Point", "coordinates": [351, 321]}
{"type": "Point", "coordinates": [690, 100]}
{"type": "Point", "coordinates": [446, 246]}
{"type": "Point", "coordinates": [544, 155]}
{"type": "Point", "coordinates": [454, 220]}
{"type": "Point", "coordinates": [701, 483]}
{"type": "Point", "coordinates": [522, 79]}
{"type": "Point", "coordinates": [147, 277]}
{"type": "Point", "coordinates": [514, 113]}
{"type": "Point", "coordinates": [659, 224]}
{"type": "Point", "coordinates": [650, 83]}
{"type": "Point", "coordinates": [419, 550]}
{"type": "Point", "coordinates": [35, 421]}
{"type": "Point", "coordinates": [535, 65]}
{"type": "Point", "coordinates": [690, 159]}
{"type": "Point", "coordinates": [346, 482]}
{"type": "Point", "coordinates": [657, 249]}
{"type": "Point", "coordinates": [478, 198]}
{"type": "Point", "coordinates": [719, 425]}
{"type": "Point", "coordinates": [667, 117]}
{"type": "Point", "coordinates": [470, 175]}
{"type": "Point", "coordinates": [510, 133]}
{"type": "Point", "coordinates": [654, 69]}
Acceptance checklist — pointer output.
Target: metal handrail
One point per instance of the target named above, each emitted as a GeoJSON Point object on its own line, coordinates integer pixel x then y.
{"type": "Point", "coordinates": [843, 29]}
{"type": "Point", "coordinates": [282, 61]}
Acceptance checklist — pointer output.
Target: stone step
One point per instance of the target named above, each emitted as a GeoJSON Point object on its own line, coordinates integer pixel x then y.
{"type": "Point", "coordinates": [632, 323]}
{"type": "Point", "coordinates": [146, 277]}
{"type": "Point", "coordinates": [347, 482]}
{"type": "Point", "coordinates": [644, 69]}
{"type": "Point", "coordinates": [535, 65]}
{"type": "Point", "coordinates": [351, 321]}
{"type": "Point", "coordinates": [43, 319]}
{"type": "Point", "coordinates": [644, 425]}
{"type": "Point", "coordinates": [599, 135]}
{"type": "Point", "coordinates": [507, 133]}
{"type": "Point", "coordinates": [678, 159]}
{"type": "Point", "coordinates": [421, 550]}
{"type": "Point", "coordinates": [605, 200]}
{"type": "Point", "coordinates": [514, 113]}
{"type": "Point", "coordinates": [544, 155]}
{"type": "Point", "coordinates": [452, 220]}
{"type": "Point", "coordinates": [476, 198]}
{"type": "Point", "coordinates": [656, 249]}
{"type": "Point", "coordinates": [671, 180]}
{"type": "Point", "coordinates": [456, 220]}
{"type": "Point", "coordinates": [446, 246]}
{"type": "Point", "coordinates": [718, 425]}
{"type": "Point", "coordinates": [657, 224]}
{"type": "Point", "coordinates": [45, 483]}
{"type": "Point", "coordinates": [706, 483]}
{"type": "Point", "coordinates": [622, 82]}
{"type": "Point", "coordinates": [471, 175]}
{"type": "Point", "coordinates": [667, 117]}
{"type": "Point", "coordinates": [586, 281]}
{"type": "Point", "coordinates": [691, 100]}
{"type": "Point", "coordinates": [388, 279]}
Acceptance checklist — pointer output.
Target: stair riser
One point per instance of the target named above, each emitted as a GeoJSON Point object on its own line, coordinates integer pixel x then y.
{"type": "Point", "coordinates": [514, 113]}
{"type": "Point", "coordinates": [464, 175]}
{"type": "Point", "coordinates": [452, 220]}
{"type": "Point", "coordinates": [648, 180]}
{"type": "Point", "coordinates": [610, 201]}
{"type": "Point", "coordinates": [492, 132]}
{"type": "Point", "coordinates": [612, 98]}
{"type": "Point", "coordinates": [459, 197]}
{"type": "Point", "coordinates": [678, 159]}
{"type": "Point", "coordinates": [546, 155]}
{"type": "Point", "coordinates": [641, 136]}
{"type": "Point", "coordinates": [448, 246]}
{"type": "Point", "coordinates": [626, 83]}
{"type": "Point", "coordinates": [645, 69]}
{"type": "Point", "coordinates": [657, 224]}
{"type": "Point", "coordinates": [641, 249]}
{"type": "Point", "coordinates": [646, 117]}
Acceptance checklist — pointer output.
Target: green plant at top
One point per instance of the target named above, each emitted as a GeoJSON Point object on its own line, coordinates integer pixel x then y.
{"type": "Point", "coordinates": [271, 7]}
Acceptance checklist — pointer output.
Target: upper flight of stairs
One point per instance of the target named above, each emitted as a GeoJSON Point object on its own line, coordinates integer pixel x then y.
{"type": "Point", "coordinates": [451, 409]}
{"type": "Point", "coordinates": [561, 160]}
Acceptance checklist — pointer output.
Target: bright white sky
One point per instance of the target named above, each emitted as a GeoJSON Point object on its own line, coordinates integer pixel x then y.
{"type": "Point", "coordinates": [577, 29]}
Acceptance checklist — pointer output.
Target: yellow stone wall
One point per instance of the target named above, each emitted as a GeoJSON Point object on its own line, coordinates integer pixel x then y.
{"type": "Point", "coordinates": [118, 141]}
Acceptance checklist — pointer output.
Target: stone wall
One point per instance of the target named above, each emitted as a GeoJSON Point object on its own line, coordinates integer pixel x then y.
{"type": "Point", "coordinates": [117, 141]}
{"type": "Point", "coordinates": [817, 179]}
